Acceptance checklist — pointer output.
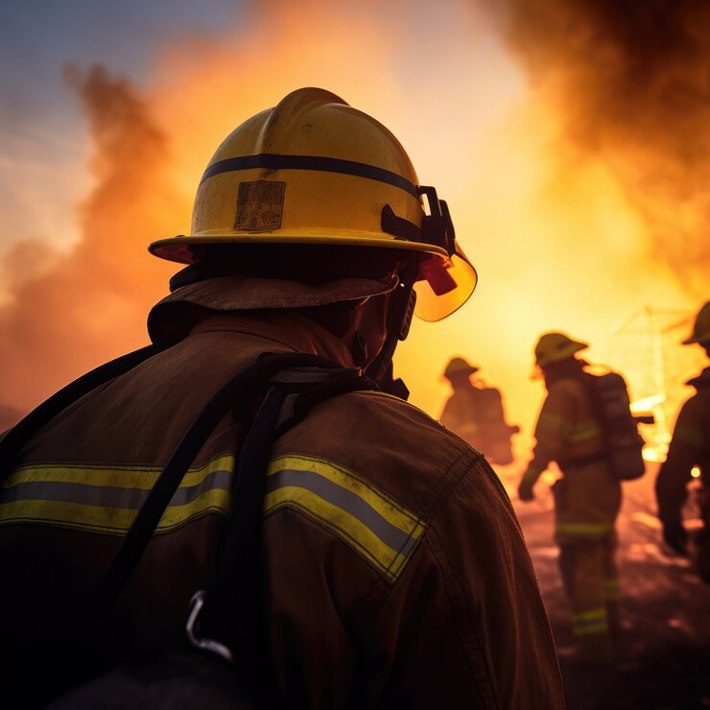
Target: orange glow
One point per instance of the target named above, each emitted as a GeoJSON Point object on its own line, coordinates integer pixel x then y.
{"type": "Point", "coordinates": [557, 240]}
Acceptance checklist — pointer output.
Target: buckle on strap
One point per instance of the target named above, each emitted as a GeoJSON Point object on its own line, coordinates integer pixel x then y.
{"type": "Point", "coordinates": [210, 645]}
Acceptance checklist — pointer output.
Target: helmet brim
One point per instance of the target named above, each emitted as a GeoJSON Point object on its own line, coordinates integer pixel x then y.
{"type": "Point", "coordinates": [179, 249]}
{"type": "Point", "coordinates": [433, 303]}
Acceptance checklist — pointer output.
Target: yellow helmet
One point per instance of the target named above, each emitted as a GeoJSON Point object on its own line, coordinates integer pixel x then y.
{"type": "Point", "coordinates": [458, 365]}
{"type": "Point", "coordinates": [315, 171]}
{"type": "Point", "coordinates": [701, 328]}
{"type": "Point", "coordinates": [555, 347]}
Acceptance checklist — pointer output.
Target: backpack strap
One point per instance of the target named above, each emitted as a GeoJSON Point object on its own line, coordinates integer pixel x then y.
{"type": "Point", "coordinates": [228, 618]}
{"type": "Point", "coordinates": [241, 389]}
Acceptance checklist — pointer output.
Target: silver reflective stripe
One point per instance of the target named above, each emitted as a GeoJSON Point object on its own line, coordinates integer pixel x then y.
{"type": "Point", "coordinates": [110, 496]}
{"type": "Point", "coordinates": [346, 500]}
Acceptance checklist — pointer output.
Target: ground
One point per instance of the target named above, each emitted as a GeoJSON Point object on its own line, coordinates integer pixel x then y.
{"type": "Point", "coordinates": [664, 659]}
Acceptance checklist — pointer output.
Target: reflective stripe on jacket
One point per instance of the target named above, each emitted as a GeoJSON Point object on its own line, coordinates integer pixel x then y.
{"type": "Point", "coordinates": [588, 498]}
{"type": "Point", "coordinates": [392, 555]}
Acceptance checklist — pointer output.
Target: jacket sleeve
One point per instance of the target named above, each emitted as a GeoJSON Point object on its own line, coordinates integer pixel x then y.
{"type": "Point", "coordinates": [465, 626]}
{"type": "Point", "coordinates": [551, 431]}
{"type": "Point", "coordinates": [685, 451]}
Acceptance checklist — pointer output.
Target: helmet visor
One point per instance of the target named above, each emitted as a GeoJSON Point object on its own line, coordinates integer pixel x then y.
{"type": "Point", "coordinates": [444, 288]}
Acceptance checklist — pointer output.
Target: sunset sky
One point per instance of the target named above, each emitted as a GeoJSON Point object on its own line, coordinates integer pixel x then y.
{"type": "Point", "coordinates": [569, 144]}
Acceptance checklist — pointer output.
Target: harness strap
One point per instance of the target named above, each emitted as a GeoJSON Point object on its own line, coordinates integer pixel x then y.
{"type": "Point", "coordinates": [232, 607]}
{"type": "Point", "coordinates": [240, 389]}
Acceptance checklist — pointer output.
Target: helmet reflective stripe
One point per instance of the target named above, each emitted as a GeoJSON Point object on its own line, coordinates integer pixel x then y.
{"type": "Point", "coordinates": [309, 162]}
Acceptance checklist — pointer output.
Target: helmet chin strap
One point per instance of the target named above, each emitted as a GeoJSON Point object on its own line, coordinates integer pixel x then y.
{"type": "Point", "coordinates": [399, 320]}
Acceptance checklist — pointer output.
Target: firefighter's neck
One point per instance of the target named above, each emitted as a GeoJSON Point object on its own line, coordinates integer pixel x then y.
{"type": "Point", "coordinates": [360, 326]}
{"type": "Point", "coordinates": [460, 381]}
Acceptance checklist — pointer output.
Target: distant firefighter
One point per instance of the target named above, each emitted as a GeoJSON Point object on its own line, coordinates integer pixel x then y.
{"type": "Point", "coordinates": [587, 497]}
{"type": "Point", "coordinates": [475, 413]}
{"type": "Point", "coordinates": [690, 447]}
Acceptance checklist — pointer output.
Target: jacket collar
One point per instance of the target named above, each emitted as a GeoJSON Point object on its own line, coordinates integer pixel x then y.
{"type": "Point", "coordinates": [172, 318]}
{"type": "Point", "coordinates": [288, 330]}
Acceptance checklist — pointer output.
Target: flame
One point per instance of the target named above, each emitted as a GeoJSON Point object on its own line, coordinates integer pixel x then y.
{"type": "Point", "coordinates": [547, 174]}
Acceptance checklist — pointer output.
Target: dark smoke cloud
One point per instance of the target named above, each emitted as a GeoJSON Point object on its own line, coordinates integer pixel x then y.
{"type": "Point", "coordinates": [91, 303]}
{"type": "Point", "coordinates": [631, 79]}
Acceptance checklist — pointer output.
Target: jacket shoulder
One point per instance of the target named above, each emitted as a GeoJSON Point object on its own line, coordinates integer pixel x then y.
{"type": "Point", "coordinates": [397, 447]}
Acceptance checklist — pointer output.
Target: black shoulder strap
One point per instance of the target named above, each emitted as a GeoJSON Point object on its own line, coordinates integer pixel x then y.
{"type": "Point", "coordinates": [242, 388]}
{"type": "Point", "coordinates": [13, 442]}
{"type": "Point", "coordinates": [232, 607]}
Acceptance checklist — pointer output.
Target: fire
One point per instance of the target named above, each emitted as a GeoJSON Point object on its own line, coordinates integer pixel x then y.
{"type": "Point", "coordinates": [560, 225]}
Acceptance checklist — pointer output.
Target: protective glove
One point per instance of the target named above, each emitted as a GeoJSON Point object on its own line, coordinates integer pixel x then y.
{"type": "Point", "coordinates": [525, 491]}
{"type": "Point", "coordinates": [676, 537]}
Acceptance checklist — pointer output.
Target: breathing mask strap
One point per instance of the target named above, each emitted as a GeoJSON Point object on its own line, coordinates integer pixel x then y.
{"type": "Point", "coordinates": [399, 320]}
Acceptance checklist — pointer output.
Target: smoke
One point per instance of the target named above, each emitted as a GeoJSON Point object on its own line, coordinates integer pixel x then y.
{"type": "Point", "coordinates": [68, 312]}
{"type": "Point", "coordinates": [576, 192]}
{"type": "Point", "coordinates": [630, 86]}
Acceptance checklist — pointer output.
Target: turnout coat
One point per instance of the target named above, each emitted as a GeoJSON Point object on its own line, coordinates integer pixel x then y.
{"type": "Point", "coordinates": [395, 571]}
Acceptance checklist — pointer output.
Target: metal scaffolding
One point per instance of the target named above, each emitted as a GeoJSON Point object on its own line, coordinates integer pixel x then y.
{"type": "Point", "coordinates": [646, 349]}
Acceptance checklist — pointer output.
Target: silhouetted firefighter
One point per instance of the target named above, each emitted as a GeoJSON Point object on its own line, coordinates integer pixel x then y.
{"type": "Point", "coordinates": [475, 412]}
{"type": "Point", "coordinates": [586, 426]}
{"type": "Point", "coordinates": [241, 491]}
{"type": "Point", "coordinates": [689, 447]}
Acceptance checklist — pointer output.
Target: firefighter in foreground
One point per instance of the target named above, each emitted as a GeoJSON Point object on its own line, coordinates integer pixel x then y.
{"type": "Point", "coordinates": [475, 412]}
{"type": "Point", "coordinates": [587, 497]}
{"type": "Point", "coordinates": [392, 557]}
{"type": "Point", "coordinates": [690, 447]}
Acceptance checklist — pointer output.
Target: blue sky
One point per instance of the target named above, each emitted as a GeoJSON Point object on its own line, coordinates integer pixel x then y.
{"type": "Point", "coordinates": [42, 130]}
{"type": "Point", "coordinates": [37, 37]}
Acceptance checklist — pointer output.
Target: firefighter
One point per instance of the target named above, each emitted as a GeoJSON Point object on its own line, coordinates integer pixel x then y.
{"type": "Point", "coordinates": [392, 557]}
{"type": "Point", "coordinates": [587, 496]}
{"type": "Point", "coordinates": [689, 447]}
{"type": "Point", "coordinates": [475, 413]}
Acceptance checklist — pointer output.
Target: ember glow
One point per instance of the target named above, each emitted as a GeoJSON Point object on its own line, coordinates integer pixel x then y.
{"type": "Point", "coordinates": [575, 204]}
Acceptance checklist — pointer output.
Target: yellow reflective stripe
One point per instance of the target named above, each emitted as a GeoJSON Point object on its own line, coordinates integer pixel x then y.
{"type": "Point", "coordinates": [584, 431]}
{"type": "Point", "coordinates": [108, 520]}
{"type": "Point", "coordinates": [348, 528]}
{"type": "Point", "coordinates": [584, 529]}
{"type": "Point", "coordinates": [107, 498]}
{"type": "Point", "coordinates": [612, 588]}
{"type": "Point", "coordinates": [590, 622]}
{"type": "Point", "coordinates": [590, 614]}
{"type": "Point", "coordinates": [467, 428]}
{"type": "Point", "coordinates": [368, 520]}
{"type": "Point", "coordinates": [113, 475]}
{"type": "Point", "coordinates": [552, 421]}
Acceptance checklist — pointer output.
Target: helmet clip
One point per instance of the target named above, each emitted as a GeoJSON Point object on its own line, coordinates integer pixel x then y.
{"type": "Point", "coordinates": [437, 228]}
